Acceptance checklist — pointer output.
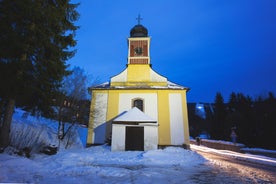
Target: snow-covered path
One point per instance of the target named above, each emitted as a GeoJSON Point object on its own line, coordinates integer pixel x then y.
{"type": "Point", "coordinates": [244, 168]}
{"type": "Point", "coordinates": [240, 156]}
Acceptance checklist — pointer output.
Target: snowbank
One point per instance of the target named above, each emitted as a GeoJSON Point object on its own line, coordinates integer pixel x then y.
{"type": "Point", "coordinates": [89, 165]}
{"type": "Point", "coordinates": [260, 151]}
{"type": "Point", "coordinates": [219, 144]}
{"type": "Point", "coordinates": [36, 132]}
{"type": "Point", "coordinates": [100, 165]}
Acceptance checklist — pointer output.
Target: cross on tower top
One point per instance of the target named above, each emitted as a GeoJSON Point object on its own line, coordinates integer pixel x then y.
{"type": "Point", "coordinates": [139, 19]}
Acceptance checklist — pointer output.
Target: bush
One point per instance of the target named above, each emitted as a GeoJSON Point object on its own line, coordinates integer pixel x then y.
{"type": "Point", "coordinates": [29, 136]}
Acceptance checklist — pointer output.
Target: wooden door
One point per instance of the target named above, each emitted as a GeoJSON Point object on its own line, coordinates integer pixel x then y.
{"type": "Point", "coordinates": [134, 139]}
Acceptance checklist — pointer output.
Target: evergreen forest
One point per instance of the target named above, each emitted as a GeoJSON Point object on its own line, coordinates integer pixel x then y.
{"type": "Point", "coordinates": [253, 120]}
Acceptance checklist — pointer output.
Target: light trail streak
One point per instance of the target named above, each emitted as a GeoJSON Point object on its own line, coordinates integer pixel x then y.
{"type": "Point", "coordinates": [241, 156]}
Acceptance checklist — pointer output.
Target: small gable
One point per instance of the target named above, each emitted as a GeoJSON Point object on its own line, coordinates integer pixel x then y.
{"type": "Point", "coordinates": [134, 115]}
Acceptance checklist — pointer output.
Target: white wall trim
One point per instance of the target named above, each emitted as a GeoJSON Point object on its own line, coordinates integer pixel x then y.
{"type": "Point", "coordinates": [121, 77]}
{"type": "Point", "coordinates": [176, 119]}
{"type": "Point", "coordinates": [100, 111]}
{"type": "Point", "coordinates": [150, 103]}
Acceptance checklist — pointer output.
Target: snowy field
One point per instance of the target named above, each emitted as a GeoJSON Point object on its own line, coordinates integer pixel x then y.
{"type": "Point", "coordinates": [99, 165]}
{"type": "Point", "coordinates": [89, 165]}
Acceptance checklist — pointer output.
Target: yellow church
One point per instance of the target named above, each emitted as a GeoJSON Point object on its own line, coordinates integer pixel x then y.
{"type": "Point", "coordinates": [138, 109]}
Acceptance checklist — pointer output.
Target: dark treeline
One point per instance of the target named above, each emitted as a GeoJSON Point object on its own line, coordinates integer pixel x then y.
{"type": "Point", "coordinates": [37, 38]}
{"type": "Point", "coordinates": [254, 121]}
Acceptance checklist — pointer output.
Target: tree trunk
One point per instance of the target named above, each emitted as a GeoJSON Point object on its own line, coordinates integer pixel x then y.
{"type": "Point", "coordinates": [6, 126]}
{"type": "Point", "coordinates": [60, 130]}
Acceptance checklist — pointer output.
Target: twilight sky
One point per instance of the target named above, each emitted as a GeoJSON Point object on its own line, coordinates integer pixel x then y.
{"type": "Point", "coordinates": [209, 46]}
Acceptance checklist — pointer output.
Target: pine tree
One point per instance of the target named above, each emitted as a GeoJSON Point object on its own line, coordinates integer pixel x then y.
{"type": "Point", "coordinates": [265, 109]}
{"type": "Point", "coordinates": [232, 104]}
{"type": "Point", "coordinates": [244, 127]}
{"type": "Point", "coordinates": [36, 38]}
{"type": "Point", "coordinates": [219, 118]}
{"type": "Point", "coordinates": [233, 116]}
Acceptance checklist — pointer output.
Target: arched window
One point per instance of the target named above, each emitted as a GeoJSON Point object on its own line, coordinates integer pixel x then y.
{"type": "Point", "coordinates": [139, 103]}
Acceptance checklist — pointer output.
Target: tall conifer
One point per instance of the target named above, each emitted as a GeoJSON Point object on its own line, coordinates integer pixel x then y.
{"type": "Point", "coordinates": [36, 40]}
{"type": "Point", "coordinates": [219, 118]}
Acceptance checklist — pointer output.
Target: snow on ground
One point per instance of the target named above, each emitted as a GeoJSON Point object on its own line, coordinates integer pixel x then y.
{"type": "Point", "coordinates": [224, 142]}
{"type": "Point", "coordinates": [90, 165]}
{"type": "Point", "coordinates": [241, 156]}
{"type": "Point", "coordinates": [100, 165]}
{"type": "Point", "coordinates": [44, 130]}
{"type": "Point", "coordinates": [261, 150]}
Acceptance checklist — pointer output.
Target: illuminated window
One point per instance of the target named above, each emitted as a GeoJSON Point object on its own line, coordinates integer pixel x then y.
{"type": "Point", "coordinates": [139, 103]}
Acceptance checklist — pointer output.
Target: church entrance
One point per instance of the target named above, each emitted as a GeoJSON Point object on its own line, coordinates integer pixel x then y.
{"type": "Point", "coordinates": [134, 139]}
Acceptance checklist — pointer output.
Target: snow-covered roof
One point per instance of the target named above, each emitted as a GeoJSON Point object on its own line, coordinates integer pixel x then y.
{"type": "Point", "coordinates": [134, 115]}
{"type": "Point", "coordinates": [171, 85]}
{"type": "Point", "coordinates": [103, 85]}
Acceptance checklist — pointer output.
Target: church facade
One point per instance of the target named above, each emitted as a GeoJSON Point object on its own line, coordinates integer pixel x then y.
{"type": "Point", "coordinates": [151, 94]}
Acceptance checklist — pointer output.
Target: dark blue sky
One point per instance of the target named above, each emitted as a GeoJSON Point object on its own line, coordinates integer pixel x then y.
{"type": "Point", "coordinates": [207, 45]}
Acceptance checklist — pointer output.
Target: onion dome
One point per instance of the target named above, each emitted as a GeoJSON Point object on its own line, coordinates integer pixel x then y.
{"type": "Point", "coordinates": [138, 31]}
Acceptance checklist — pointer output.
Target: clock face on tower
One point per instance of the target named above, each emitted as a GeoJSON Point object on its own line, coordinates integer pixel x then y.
{"type": "Point", "coordinates": [138, 51]}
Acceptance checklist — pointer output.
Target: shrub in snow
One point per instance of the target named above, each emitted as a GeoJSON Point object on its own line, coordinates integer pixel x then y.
{"type": "Point", "coordinates": [34, 137]}
{"type": "Point", "coordinates": [71, 137]}
{"type": "Point", "coordinates": [40, 135]}
{"type": "Point", "coordinates": [26, 152]}
{"type": "Point", "coordinates": [41, 138]}
{"type": "Point", "coordinates": [49, 150]}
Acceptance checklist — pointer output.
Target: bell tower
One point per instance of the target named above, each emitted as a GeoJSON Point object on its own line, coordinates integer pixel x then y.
{"type": "Point", "coordinates": [138, 73]}
{"type": "Point", "coordinates": [139, 44]}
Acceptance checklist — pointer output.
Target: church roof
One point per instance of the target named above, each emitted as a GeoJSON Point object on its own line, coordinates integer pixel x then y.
{"type": "Point", "coordinates": [139, 31]}
{"type": "Point", "coordinates": [171, 85]}
{"type": "Point", "coordinates": [134, 115]}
